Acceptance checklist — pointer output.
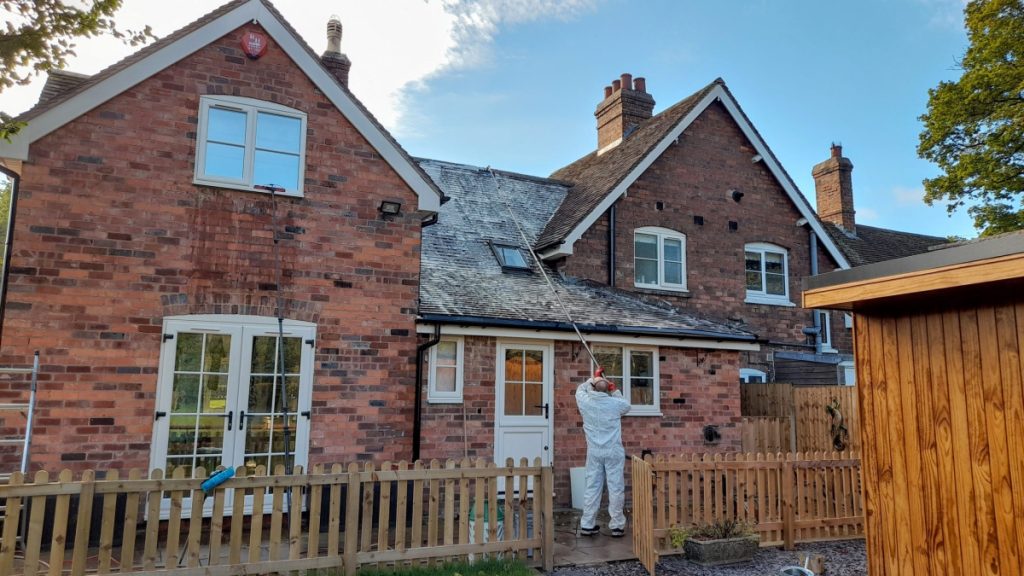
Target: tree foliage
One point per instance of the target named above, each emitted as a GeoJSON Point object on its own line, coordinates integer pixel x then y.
{"type": "Point", "coordinates": [39, 35]}
{"type": "Point", "coordinates": [974, 127]}
{"type": "Point", "coordinates": [6, 188]}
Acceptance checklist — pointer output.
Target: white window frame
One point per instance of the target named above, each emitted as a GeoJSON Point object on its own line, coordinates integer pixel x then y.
{"type": "Point", "coordinates": [662, 234]}
{"type": "Point", "coordinates": [825, 334]}
{"type": "Point", "coordinates": [747, 373]}
{"type": "Point", "coordinates": [435, 396]}
{"type": "Point", "coordinates": [637, 409]}
{"type": "Point", "coordinates": [251, 107]}
{"type": "Point", "coordinates": [762, 296]}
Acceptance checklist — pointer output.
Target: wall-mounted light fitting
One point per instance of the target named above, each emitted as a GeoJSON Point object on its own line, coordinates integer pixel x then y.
{"type": "Point", "coordinates": [389, 208]}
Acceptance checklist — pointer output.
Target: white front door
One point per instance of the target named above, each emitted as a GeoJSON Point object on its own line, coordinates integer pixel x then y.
{"type": "Point", "coordinates": [524, 407]}
{"type": "Point", "coordinates": [220, 399]}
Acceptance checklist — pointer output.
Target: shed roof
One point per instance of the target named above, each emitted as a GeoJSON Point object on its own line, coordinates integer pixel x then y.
{"type": "Point", "coordinates": [976, 263]}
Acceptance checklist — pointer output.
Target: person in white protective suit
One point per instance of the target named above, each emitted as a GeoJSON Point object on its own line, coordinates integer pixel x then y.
{"type": "Point", "coordinates": [602, 408]}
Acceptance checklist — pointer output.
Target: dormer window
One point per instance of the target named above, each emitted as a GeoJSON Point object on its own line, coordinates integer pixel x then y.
{"type": "Point", "coordinates": [510, 257]}
{"type": "Point", "coordinates": [659, 259]}
{"type": "Point", "coordinates": [244, 143]}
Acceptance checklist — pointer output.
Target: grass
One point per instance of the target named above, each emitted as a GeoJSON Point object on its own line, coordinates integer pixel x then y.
{"type": "Point", "coordinates": [481, 568]}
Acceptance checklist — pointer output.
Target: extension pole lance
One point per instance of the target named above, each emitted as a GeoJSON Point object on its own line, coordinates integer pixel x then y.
{"type": "Point", "coordinates": [540, 266]}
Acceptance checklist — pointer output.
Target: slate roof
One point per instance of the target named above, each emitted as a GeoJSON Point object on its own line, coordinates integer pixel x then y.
{"type": "Point", "coordinates": [594, 177]}
{"type": "Point", "coordinates": [872, 244]}
{"type": "Point", "coordinates": [461, 279]}
{"type": "Point", "coordinates": [59, 82]}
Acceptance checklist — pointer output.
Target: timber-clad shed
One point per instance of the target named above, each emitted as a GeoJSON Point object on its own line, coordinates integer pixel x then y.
{"type": "Point", "coordinates": [939, 346]}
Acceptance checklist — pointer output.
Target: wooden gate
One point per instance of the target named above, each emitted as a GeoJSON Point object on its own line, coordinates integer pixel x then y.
{"type": "Point", "coordinates": [643, 515]}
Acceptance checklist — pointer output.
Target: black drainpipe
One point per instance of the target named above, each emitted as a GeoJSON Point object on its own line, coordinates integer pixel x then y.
{"type": "Point", "coordinates": [417, 420]}
{"type": "Point", "coordinates": [8, 237]}
{"type": "Point", "coordinates": [611, 246]}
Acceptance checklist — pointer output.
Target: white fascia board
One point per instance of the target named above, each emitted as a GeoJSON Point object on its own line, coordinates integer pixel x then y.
{"type": "Point", "coordinates": [565, 248]}
{"type": "Point", "coordinates": [717, 93]}
{"type": "Point", "coordinates": [254, 10]}
{"type": "Point", "coordinates": [526, 334]}
{"type": "Point", "coordinates": [788, 185]}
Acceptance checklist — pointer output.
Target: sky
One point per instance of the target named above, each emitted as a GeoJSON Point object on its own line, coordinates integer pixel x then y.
{"type": "Point", "coordinates": [513, 84]}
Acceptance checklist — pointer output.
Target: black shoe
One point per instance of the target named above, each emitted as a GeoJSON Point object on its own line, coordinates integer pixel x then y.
{"type": "Point", "coordinates": [618, 532]}
{"type": "Point", "coordinates": [591, 531]}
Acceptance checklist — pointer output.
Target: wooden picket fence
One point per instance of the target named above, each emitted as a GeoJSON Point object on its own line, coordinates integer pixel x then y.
{"type": "Point", "coordinates": [340, 519]}
{"type": "Point", "coordinates": [786, 498]}
{"type": "Point", "coordinates": [786, 418]}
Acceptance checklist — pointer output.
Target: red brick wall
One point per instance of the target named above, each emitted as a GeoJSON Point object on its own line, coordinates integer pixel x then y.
{"type": "Point", "coordinates": [698, 387]}
{"type": "Point", "coordinates": [112, 236]}
{"type": "Point", "coordinates": [693, 178]}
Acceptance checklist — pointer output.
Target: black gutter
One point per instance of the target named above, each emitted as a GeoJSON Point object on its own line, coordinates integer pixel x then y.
{"type": "Point", "coordinates": [9, 237]}
{"type": "Point", "coordinates": [417, 419]}
{"type": "Point", "coordinates": [611, 246]}
{"type": "Point", "coordinates": [591, 328]}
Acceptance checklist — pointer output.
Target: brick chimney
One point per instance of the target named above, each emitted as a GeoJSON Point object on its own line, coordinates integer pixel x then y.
{"type": "Point", "coordinates": [626, 104]}
{"type": "Point", "coordinates": [336, 63]}
{"type": "Point", "coordinates": [833, 183]}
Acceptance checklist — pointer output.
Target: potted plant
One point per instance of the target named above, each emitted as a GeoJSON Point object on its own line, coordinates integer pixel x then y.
{"type": "Point", "coordinates": [676, 540]}
{"type": "Point", "coordinates": [722, 542]}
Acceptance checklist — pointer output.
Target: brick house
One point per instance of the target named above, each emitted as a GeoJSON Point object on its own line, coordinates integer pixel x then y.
{"type": "Point", "coordinates": [417, 324]}
{"type": "Point", "coordinates": [143, 264]}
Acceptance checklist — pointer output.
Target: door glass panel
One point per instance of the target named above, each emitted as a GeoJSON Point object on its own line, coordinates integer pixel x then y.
{"type": "Point", "coordinates": [524, 382]}
{"type": "Point", "coordinates": [198, 401]}
{"type": "Point", "coordinates": [534, 399]}
{"type": "Point", "coordinates": [265, 426]}
{"type": "Point", "coordinates": [513, 398]}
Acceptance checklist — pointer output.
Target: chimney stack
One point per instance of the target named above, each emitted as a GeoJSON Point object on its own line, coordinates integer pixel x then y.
{"type": "Point", "coordinates": [833, 183]}
{"type": "Point", "coordinates": [626, 104]}
{"type": "Point", "coordinates": [333, 59]}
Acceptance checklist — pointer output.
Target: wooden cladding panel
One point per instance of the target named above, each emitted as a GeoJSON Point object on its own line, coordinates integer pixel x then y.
{"type": "Point", "coordinates": [942, 424]}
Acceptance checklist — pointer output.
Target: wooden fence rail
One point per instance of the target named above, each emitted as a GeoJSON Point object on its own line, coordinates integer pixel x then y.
{"type": "Point", "coordinates": [341, 518]}
{"type": "Point", "coordinates": [788, 498]}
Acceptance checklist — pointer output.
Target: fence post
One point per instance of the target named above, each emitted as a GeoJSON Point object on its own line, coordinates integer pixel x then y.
{"type": "Point", "coordinates": [547, 514]}
{"type": "Point", "coordinates": [351, 520]}
{"type": "Point", "coordinates": [787, 503]}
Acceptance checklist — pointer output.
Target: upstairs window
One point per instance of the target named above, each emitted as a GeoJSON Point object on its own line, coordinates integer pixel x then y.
{"type": "Point", "coordinates": [752, 376]}
{"type": "Point", "coordinates": [244, 143]}
{"type": "Point", "coordinates": [767, 273]}
{"type": "Point", "coordinates": [510, 257]}
{"type": "Point", "coordinates": [659, 259]}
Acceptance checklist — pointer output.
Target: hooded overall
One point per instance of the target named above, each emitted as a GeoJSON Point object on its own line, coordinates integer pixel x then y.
{"type": "Point", "coordinates": [606, 458]}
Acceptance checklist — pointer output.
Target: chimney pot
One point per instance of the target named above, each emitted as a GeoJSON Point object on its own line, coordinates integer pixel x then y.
{"type": "Point", "coordinates": [616, 85]}
{"type": "Point", "coordinates": [607, 91]}
{"type": "Point", "coordinates": [336, 63]}
{"type": "Point", "coordinates": [627, 81]}
{"type": "Point", "coordinates": [837, 150]}
{"type": "Point", "coordinates": [640, 84]}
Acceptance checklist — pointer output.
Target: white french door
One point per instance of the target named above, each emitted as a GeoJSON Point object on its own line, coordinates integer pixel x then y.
{"type": "Point", "coordinates": [221, 400]}
{"type": "Point", "coordinates": [524, 407]}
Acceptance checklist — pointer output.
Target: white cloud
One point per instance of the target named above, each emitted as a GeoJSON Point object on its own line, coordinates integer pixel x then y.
{"type": "Point", "coordinates": [907, 196]}
{"type": "Point", "coordinates": [865, 214]}
{"type": "Point", "coordinates": [946, 13]}
{"type": "Point", "coordinates": [394, 46]}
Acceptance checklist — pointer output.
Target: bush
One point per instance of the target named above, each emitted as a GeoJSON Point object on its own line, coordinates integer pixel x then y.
{"type": "Point", "coordinates": [721, 529]}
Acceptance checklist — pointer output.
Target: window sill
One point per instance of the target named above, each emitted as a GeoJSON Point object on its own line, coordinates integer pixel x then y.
{"type": "Point", "coordinates": [444, 400]}
{"type": "Point", "coordinates": [677, 292]}
{"type": "Point", "coordinates": [645, 413]}
{"type": "Point", "coordinates": [828, 350]}
{"type": "Point", "coordinates": [242, 187]}
{"type": "Point", "coordinates": [769, 301]}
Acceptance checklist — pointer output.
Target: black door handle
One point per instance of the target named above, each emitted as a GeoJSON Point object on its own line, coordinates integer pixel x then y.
{"type": "Point", "coordinates": [241, 420]}
{"type": "Point", "coordinates": [159, 414]}
{"type": "Point", "coordinates": [229, 416]}
{"type": "Point", "coordinates": [545, 406]}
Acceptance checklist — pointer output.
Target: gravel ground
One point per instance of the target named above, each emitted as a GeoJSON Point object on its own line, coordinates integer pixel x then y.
{"type": "Point", "coordinates": [846, 558]}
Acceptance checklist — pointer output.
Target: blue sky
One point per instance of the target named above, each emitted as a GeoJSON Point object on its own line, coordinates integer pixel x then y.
{"type": "Point", "coordinates": [514, 83]}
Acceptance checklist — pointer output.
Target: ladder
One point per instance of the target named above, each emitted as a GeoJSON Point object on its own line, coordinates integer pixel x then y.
{"type": "Point", "coordinates": [24, 441]}
{"type": "Point", "coordinates": [28, 409]}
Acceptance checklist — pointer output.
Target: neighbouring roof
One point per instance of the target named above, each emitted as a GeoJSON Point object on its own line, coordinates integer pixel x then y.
{"type": "Point", "coordinates": [461, 279]}
{"type": "Point", "coordinates": [59, 82]}
{"type": "Point", "coordinates": [600, 179]}
{"type": "Point", "coordinates": [72, 97]}
{"type": "Point", "coordinates": [871, 244]}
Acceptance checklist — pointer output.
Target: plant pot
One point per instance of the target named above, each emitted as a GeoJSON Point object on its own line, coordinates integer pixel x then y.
{"type": "Point", "coordinates": [724, 551]}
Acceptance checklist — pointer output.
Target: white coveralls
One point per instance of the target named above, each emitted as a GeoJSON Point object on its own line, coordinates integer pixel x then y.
{"type": "Point", "coordinates": [606, 458]}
